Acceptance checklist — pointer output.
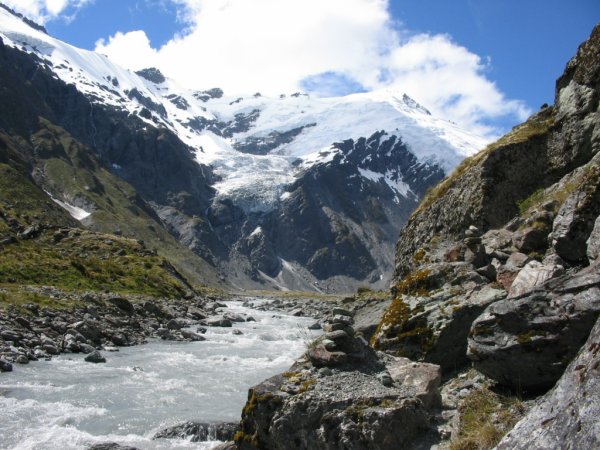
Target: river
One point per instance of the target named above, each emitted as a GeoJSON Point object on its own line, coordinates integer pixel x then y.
{"type": "Point", "coordinates": [67, 403]}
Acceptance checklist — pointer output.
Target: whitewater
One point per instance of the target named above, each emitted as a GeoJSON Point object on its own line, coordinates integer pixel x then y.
{"type": "Point", "coordinates": [69, 404]}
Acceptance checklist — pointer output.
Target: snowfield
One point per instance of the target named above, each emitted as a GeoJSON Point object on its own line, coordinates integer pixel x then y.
{"type": "Point", "coordinates": [300, 129]}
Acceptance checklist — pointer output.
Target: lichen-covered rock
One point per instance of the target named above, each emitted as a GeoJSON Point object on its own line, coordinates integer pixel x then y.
{"type": "Point", "coordinates": [432, 312]}
{"type": "Point", "coordinates": [567, 416]}
{"type": "Point", "coordinates": [575, 220]}
{"type": "Point", "coordinates": [593, 242]}
{"type": "Point", "coordinates": [349, 408]}
{"type": "Point", "coordinates": [526, 342]}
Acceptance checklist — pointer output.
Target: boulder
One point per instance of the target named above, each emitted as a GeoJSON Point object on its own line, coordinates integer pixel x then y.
{"type": "Point", "coordinates": [123, 304]}
{"type": "Point", "coordinates": [304, 409]}
{"type": "Point", "coordinates": [233, 317]}
{"type": "Point", "coordinates": [527, 341]}
{"type": "Point", "coordinates": [119, 339]}
{"type": "Point", "coordinates": [532, 275]}
{"type": "Point", "coordinates": [111, 446]}
{"type": "Point", "coordinates": [507, 272]}
{"type": "Point", "coordinates": [174, 324]}
{"type": "Point", "coordinates": [5, 366]}
{"type": "Point", "coordinates": [531, 239]}
{"type": "Point", "coordinates": [89, 330]}
{"type": "Point", "coordinates": [217, 322]}
{"type": "Point", "coordinates": [95, 357]}
{"type": "Point", "coordinates": [196, 313]}
{"type": "Point", "coordinates": [190, 335]}
{"type": "Point", "coordinates": [422, 379]}
{"type": "Point", "coordinates": [567, 416]}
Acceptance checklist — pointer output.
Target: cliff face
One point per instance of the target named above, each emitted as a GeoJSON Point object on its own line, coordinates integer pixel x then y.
{"type": "Point", "coordinates": [485, 190]}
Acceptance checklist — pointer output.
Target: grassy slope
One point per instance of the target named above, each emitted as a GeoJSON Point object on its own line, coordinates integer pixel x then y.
{"type": "Point", "coordinates": [70, 172]}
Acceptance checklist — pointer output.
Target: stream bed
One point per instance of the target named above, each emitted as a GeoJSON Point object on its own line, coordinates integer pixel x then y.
{"type": "Point", "coordinates": [67, 403]}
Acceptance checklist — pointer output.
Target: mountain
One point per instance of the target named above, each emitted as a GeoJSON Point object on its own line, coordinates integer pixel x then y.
{"type": "Point", "coordinates": [492, 336]}
{"type": "Point", "coordinates": [291, 192]}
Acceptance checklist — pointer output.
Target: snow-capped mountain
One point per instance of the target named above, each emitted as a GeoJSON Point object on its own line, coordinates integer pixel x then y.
{"type": "Point", "coordinates": [292, 191]}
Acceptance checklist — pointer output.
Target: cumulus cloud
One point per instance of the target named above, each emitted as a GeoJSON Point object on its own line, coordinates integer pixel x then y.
{"type": "Point", "coordinates": [326, 47]}
{"type": "Point", "coordinates": [43, 11]}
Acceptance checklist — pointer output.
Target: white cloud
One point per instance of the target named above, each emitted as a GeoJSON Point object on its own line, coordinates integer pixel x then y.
{"type": "Point", "coordinates": [282, 46]}
{"type": "Point", "coordinates": [131, 50]}
{"type": "Point", "coordinates": [42, 11]}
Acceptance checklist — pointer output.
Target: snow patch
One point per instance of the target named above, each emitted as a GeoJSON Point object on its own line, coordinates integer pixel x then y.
{"type": "Point", "coordinates": [75, 212]}
{"type": "Point", "coordinates": [388, 178]}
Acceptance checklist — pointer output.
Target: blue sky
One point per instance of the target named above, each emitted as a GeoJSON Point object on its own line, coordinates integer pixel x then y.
{"type": "Point", "coordinates": [485, 64]}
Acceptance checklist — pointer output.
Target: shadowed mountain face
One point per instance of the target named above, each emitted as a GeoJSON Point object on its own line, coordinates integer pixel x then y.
{"type": "Point", "coordinates": [287, 192]}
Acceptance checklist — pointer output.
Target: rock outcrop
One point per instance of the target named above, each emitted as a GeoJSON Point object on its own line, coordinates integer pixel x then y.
{"type": "Point", "coordinates": [503, 245]}
{"type": "Point", "coordinates": [567, 416]}
{"type": "Point", "coordinates": [379, 404]}
{"type": "Point", "coordinates": [527, 341]}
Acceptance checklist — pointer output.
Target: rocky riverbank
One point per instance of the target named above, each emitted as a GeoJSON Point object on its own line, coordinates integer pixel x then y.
{"type": "Point", "coordinates": [102, 322]}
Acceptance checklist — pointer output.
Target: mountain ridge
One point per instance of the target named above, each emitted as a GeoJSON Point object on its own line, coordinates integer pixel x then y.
{"type": "Point", "coordinates": [214, 169]}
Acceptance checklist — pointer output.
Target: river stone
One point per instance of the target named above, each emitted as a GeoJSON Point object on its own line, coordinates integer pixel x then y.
{"type": "Point", "coordinates": [111, 446]}
{"type": "Point", "coordinates": [10, 335]}
{"type": "Point", "coordinates": [526, 342]}
{"type": "Point", "coordinates": [567, 416]}
{"type": "Point", "coordinates": [218, 322]}
{"type": "Point", "coordinates": [123, 304]}
{"type": "Point", "coordinates": [200, 431]}
{"type": "Point", "coordinates": [95, 357]}
{"type": "Point", "coordinates": [192, 336]}
{"type": "Point", "coordinates": [119, 339]}
{"type": "Point", "coordinates": [89, 330]}
{"type": "Point", "coordinates": [174, 324]}
{"type": "Point", "coordinates": [5, 366]}
{"type": "Point", "coordinates": [196, 313]}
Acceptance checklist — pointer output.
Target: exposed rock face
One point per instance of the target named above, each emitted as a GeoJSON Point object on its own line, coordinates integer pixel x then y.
{"type": "Point", "coordinates": [199, 431]}
{"type": "Point", "coordinates": [506, 238]}
{"type": "Point", "coordinates": [486, 189]}
{"type": "Point", "coordinates": [349, 408]}
{"type": "Point", "coordinates": [333, 227]}
{"type": "Point", "coordinates": [431, 314]}
{"type": "Point", "coordinates": [567, 416]}
{"type": "Point", "coordinates": [527, 341]}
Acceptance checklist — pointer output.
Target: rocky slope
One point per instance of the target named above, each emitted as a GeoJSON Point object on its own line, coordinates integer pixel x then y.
{"type": "Point", "coordinates": [496, 255]}
{"type": "Point", "coordinates": [498, 268]}
{"type": "Point", "coordinates": [287, 192]}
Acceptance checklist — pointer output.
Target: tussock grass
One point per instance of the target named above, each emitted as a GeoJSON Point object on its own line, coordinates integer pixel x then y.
{"type": "Point", "coordinates": [485, 417]}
